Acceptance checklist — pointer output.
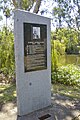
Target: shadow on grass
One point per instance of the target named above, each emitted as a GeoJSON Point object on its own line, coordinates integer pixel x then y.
{"type": "Point", "coordinates": [66, 101]}
{"type": "Point", "coordinates": [62, 108]}
{"type": "Point", "coordinates": [70, 91]}
{"type": "Point", "coordinates": [7, 94]}
{"type": "Point", "coordinates": [65, 108]}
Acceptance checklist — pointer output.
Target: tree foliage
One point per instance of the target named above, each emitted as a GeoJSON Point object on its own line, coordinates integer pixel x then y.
{"type": "Point", "coordinates": [5, 7]}
{"type": "Point", "coordinates": [27, 4]}
{"type": "Point", "coordinates": [23, 4]}
{"type": "Point", "coordinates": [67, 11]}
{"type": "Point", "coordinates": [64, 12]}
{"type": "Point", "coordinates": [68, 75]}
{"type": "Point", "coordinates": [6, 52]}
{"type": "Point", "coordinates": [7, 62]}
{"type": "Point", "coordinates": [67, 37]}
{"type": "Point", "coordinates": [63, 41]}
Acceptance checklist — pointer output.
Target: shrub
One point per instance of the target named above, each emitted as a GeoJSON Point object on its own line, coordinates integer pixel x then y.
{"type": "Point", "coordinates": [7, 52]}
{"type": "Point", "coordinates": [68, 75]}
{"type": "Point", "coordinates": [57, 49]}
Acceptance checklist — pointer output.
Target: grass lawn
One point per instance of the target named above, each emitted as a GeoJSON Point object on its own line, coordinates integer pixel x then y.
{"type": "Point", "coordinates": [70, 91]}
{"type": "Point", "coordinates": [7, 93]}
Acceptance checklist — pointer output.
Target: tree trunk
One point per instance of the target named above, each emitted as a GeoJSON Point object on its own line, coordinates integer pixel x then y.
{"type": "Point", "coordinates": [37, 6]}
{"type": "Point", "coordinates": [6, 25]}
{"type": "Point", "coordinates": [14, 3]}
{"type": "Point", "coordinates": [17, 3]}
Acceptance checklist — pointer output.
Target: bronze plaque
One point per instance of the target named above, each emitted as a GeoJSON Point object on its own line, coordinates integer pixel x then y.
{"type": "Point", "coordinates": [35, 47]}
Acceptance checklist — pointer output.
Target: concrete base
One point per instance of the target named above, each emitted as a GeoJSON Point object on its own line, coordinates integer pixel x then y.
{"type": "Point", "coordinates": [42, 114]}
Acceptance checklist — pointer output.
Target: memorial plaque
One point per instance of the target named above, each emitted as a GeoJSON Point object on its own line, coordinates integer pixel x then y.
{"type": "Point", "coordinates": [35, 47]}
{"type": "Point", "coordinates": [33, 62]}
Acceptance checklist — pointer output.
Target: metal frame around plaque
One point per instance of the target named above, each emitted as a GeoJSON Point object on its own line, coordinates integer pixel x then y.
{"type": "Point", "coordinates": [35, 48]}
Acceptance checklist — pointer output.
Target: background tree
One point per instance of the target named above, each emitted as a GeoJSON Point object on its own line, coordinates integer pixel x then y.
{"type": "Point", "coordinates": [27, 4]}
{"type": "Point", "coordinates": [7, 63]}
{"type": "Point", "coordinates": [65, 12]}
{"type": "Point", "coordinates": [6, 52]}
{"type": "Point", "coordinates": [6, 9]}
{"type": "Point", "coordinates": [77, 2]}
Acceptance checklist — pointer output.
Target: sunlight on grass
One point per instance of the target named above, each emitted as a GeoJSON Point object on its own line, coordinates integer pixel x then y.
{"type": "Point", "coordinates": [7, 93]}
{"type": "Point", "coordinates": [14, 93]}
{"type": "Point", "coordinates": [1, 94]}
{"type": "Point", "coordinates": [70, 91]}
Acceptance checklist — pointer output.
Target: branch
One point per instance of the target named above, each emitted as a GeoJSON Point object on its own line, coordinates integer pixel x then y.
{"type": "Point", "coordinates": [37, 6]}
{"type": "Point", "coordinates": [15, 3]}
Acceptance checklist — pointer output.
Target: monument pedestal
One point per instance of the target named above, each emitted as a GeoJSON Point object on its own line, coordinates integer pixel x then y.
{"type": "Point", "coordinates": [33, 61]}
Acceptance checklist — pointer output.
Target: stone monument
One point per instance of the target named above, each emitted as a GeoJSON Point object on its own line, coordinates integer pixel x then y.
{"type": "Point", "coordinates": [33, 61]}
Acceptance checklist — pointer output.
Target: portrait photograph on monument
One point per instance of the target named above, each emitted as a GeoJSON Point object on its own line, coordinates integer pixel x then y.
{"type": "Point", "coordinates": [36, 32]}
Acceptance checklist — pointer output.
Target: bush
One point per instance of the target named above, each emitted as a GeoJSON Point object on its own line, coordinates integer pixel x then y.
{"type": "Point", "coordinates": [7, 52]}
{"type": "Point", "coordinates": [68, 75]}
{"type": "Point", "coordinates": [57, 49]}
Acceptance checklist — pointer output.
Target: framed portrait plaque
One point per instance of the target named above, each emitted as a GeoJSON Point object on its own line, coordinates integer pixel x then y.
{"type": "Point", "coordinates": [35, 47]}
